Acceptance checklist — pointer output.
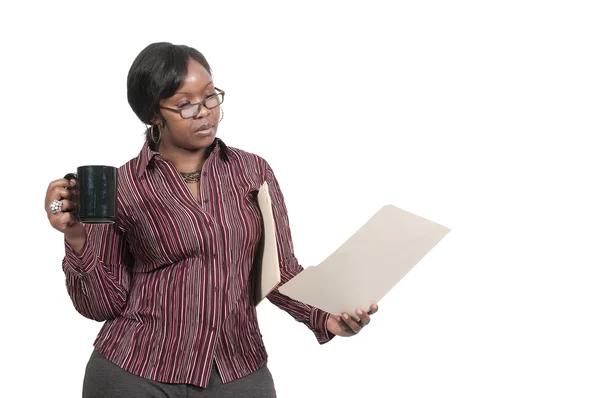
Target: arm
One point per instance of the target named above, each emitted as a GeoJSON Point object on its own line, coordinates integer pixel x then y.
{"type": "Point", "coordinates": [97, 276]}
{"type": "Point", "coordinates": [314, 318]}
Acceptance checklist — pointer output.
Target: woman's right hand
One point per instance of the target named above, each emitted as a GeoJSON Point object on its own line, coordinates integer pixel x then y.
{"type": "Point", "coordinates": [65, 221]}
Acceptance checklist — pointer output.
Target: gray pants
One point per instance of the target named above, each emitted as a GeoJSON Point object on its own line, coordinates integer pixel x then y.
{"type": "Point", "coordinates": [104, 379]}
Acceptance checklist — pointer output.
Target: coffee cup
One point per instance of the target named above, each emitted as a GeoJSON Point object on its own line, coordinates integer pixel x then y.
{"type": "Point", "coordinates": [95, 194]}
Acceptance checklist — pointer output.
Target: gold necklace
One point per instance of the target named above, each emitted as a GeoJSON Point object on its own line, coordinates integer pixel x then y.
{"type": "Point", "coordinates": [192, 176]}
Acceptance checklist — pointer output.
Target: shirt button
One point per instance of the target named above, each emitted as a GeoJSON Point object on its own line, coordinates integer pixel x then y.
{"type": "Point", "coordinates": [216, 289]}
{"type": "Point", "coordinates": [205, 174]}
{"type": "Point", "coordinates": [214, 256]}
{"type": "Point", "coordinates": [214, 329]}
{"type": "Point", "coordinates": [205, 200]}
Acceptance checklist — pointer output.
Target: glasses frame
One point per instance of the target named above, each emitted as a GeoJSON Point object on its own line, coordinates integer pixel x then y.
{"type": "Point", "coordinates": [200, 104]}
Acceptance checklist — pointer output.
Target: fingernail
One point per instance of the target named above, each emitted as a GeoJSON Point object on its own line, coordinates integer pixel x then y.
{"type": "Point", "coordinates": [345, 316]}
{"type": "Point", "coordinates": [359, 312]}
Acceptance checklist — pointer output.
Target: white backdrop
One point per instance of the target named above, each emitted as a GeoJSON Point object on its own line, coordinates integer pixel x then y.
{"type": "Point", "coordinates": [481, 116]}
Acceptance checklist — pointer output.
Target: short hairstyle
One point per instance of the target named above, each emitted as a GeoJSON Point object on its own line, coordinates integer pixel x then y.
{"type": "Point", "coordinates": [156, 73]}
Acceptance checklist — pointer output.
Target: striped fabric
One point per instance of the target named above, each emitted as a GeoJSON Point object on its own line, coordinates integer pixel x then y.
{"type": "Point", "coordinates": [172, 277]}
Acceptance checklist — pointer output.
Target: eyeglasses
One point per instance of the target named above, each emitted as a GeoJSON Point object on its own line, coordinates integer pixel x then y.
{"type": "Point", "coordinates": [191, 110]}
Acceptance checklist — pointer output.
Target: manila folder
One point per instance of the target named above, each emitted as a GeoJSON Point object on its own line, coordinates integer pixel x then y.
{"type": "Point", "coordinates": [369, 264]}
{"type": "Point", "coordinates": [266, 272]}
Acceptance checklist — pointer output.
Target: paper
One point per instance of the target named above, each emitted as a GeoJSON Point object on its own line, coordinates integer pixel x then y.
{"type": "Point", "coordinates": [266, 268]}
{"type": "Point", "coordinates": [369, 264]}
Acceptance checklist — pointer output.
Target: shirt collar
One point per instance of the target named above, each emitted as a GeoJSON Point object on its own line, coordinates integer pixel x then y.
{"type": "Point", "coordinates": [147, 154]}
{"type": "Point", "coordinates": [144, 158]}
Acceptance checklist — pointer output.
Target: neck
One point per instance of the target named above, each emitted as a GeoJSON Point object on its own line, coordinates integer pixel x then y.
{"type": "Point", "coordinates": [183, 159]}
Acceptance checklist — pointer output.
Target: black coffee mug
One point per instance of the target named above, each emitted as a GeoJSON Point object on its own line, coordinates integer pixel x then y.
{"type": "Point", "coordinates": [95, 194]}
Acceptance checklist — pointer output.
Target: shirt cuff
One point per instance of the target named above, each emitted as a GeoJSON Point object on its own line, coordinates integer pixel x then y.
{"type": "Point", "coordinates": [318, 323]}
{"type": "Point", "coordinates": [80, 263]}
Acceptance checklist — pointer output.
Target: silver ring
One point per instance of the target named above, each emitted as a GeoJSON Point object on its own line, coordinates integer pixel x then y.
{"type": "Point", "coordinates": [55, 206]}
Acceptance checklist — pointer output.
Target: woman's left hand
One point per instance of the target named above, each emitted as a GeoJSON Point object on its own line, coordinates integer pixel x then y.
{"type": "Point", "coordinates": [345, 326]}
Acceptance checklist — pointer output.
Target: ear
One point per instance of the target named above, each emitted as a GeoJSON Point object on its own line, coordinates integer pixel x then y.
{"type": "Point", "coordinates": [157, 120]}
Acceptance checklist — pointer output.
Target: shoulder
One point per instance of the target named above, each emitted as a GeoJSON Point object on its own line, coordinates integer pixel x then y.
{"type": "Point", "coordinates": [138, 164]}
{"type": "Point", "coordinates": [251, 167]}
{"type": "Point", "coordinates": [129, 167]}
{"type": "Point", "coordinates": [130, 173]}
{"type": "Point", "coordinates": [245, 159]}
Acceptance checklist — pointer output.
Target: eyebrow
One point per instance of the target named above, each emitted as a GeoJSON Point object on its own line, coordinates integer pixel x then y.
{"type": "Point", "coordinates": [203, 88]}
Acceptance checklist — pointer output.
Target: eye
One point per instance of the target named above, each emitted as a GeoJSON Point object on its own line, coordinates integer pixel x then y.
{"type": "Point", "coordinates": [183, 104]}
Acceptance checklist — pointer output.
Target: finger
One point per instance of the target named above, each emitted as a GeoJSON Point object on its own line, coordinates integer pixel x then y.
{"type": "Point", "coordinates": [49, 205]}
{"type": "Point", "coordinates": [60, 193]}
{"type": "Point", "coordinates": [67, 205]}
{"type": "Point", "coordinates": [72, 219]}
{"type": "Point", "coordinates": [63, 220]}
{"type": "Point", "coordinates": [61, 183]}
{"type": "Point", "coordinates": [352, 324]}
{"type": "Point", "coordinates": [373, 309]}
{"type": "Point", "coordinates": [364, 317]}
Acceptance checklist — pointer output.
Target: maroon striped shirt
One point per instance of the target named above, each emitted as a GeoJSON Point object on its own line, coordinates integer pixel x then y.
{"type": "Point", "coordinates": [172, 277]}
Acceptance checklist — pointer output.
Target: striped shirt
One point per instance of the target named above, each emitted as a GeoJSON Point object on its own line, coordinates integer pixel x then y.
{"type": "Point", "coordinates": [172, 277]}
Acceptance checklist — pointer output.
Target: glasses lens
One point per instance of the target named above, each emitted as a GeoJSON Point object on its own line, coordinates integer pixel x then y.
{"type": "Point", "coordinates": [190, 111]}
{"type": "Point", "coordinates": [213, 101]}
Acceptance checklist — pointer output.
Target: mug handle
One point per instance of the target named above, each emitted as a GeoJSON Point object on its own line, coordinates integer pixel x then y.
{"type": "Point", "coordinates": [73, 176]}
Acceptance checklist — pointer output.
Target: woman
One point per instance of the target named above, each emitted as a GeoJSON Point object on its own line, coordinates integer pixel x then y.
{"type": "Point", "coordinates": [172, 276]}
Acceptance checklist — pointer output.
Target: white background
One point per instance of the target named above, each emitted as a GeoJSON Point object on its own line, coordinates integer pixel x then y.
{"type": "Point", "coordinates": [481, 116]}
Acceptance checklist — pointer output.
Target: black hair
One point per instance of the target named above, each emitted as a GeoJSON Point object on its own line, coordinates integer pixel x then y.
{"type": "Point", "coordinates": [156, 73]}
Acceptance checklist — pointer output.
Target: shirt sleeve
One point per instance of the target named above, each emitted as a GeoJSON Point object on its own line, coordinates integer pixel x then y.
{"type": "Point", "coordinates": [314, 318]}
{"type": "Point", "coordinates": [98, 278]}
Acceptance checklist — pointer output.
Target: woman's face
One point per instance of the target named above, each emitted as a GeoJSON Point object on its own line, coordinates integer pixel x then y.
{"type": "Point", "coordinates": [194, 133]}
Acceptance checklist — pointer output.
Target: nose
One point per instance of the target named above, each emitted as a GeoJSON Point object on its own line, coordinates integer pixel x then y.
{"type": "Point", "coordinates": [202, 112]}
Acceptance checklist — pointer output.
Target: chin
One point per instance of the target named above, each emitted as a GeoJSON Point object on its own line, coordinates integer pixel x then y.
{"type": "Point", "coordinates": [203, 142]}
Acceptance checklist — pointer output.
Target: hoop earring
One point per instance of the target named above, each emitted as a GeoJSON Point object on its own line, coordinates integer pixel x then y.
{"type": "Point", "coordinates": [157, 141]}
{"type": "Point", "coordinates": [222, 114]}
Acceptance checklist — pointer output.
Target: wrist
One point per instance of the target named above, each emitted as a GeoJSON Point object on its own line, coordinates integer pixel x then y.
{"type": "Point", "coordinates": [76, 241]}
{"type": "Point", "coordinates": [330, 323]}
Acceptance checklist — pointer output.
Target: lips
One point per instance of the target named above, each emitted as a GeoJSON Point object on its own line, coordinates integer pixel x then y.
{"type": "Point", "coordinates": [203, 128]}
